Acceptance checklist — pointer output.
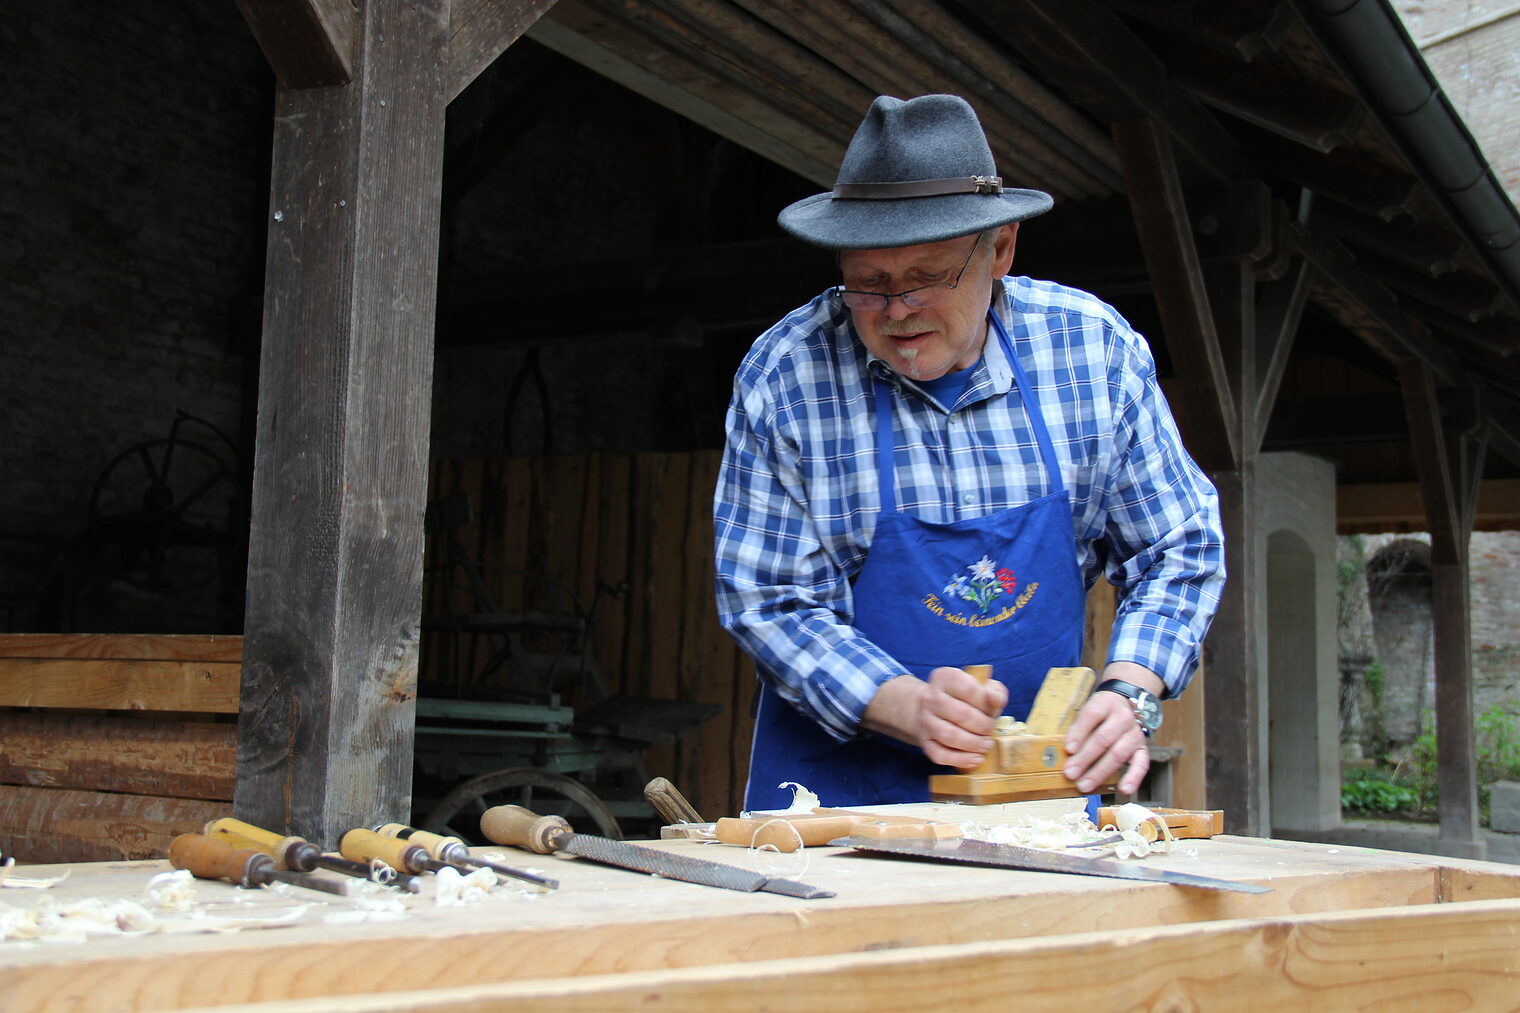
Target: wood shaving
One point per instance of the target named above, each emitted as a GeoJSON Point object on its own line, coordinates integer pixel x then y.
{"type": "Point", "coordinates": [803, 801]}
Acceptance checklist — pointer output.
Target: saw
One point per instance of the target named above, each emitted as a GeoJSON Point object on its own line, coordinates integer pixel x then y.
{"type": "Point", "coordinates": [1010, 856]}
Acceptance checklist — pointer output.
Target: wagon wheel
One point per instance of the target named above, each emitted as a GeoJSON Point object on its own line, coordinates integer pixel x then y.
{"type": "Point", "coordinates": [159, 513]}
{"type": "Point", "coordinates": [544, 792]}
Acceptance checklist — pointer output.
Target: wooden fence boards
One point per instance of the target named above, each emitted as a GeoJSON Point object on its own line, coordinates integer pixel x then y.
{"type": "Point", "coordinates": [597, 522]}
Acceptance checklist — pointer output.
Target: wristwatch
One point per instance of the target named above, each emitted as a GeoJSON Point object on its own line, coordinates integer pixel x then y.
{"type": "Point", "coordinates": [1147, 707]}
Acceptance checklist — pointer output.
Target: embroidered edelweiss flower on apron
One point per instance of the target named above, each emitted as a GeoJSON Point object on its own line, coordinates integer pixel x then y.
{"type": "Point", "coordinates": [986, 583]}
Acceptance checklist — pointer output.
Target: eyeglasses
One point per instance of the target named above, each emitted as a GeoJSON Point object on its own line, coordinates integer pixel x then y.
{"type": "Point", "coordinates": [914, 298]}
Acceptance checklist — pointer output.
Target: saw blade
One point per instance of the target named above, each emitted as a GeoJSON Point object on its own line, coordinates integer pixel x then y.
{"type": "Point", "coordinates": [1012, 857]}
{"type": "Point", "coordinates": [682, 867]}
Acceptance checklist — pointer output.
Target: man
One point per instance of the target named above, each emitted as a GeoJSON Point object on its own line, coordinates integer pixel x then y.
{"type": "Point", "coordinates": [926, 468]}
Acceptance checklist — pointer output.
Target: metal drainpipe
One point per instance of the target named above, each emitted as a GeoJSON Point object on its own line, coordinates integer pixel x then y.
{"type": "Point", "coordinates": [1368, 40]}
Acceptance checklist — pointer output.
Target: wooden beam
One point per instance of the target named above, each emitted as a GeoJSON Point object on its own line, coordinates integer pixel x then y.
{"type": "Point", "coordinates": [1342, 175]}
{"type": "Point", "coordinates": [479, 32]}
{"type": "Point", "coordinates": [1030, 151]}
{"type": "Point", "coordinates": [1503, 432]}
{"type": "Point", "coordinates": [1444, 492]}
{"type": "Point", "coordinates": [587, 32]}
{"type": "Point", "coordinates": [1246, 29]}
{"type": "Point", "coordinates": [122, 647]}
{"type": "Point", "coordinates": [1427, 247]}
{"type": "Point", "coordinates": [1095, 57]}
{"type": "Point", "coordinates": [340, 464]}
{"type": "Point", "coordinates": [1397, 506]}
{"type": "Point", "coordinates": [119, 753]}
{"type": "Point", "coordinates": [308, 43]}
{"type": "Point", "coordinates": [1366, 307]}
{"type": "Point", "coordinates": [1236, 753]}
{"type": "Point", "coordinates": [1286, 104]}
{"type": "Point", "coordinates": [1279, 310]}
{"type": "Point", "coordinates": [46, 825]}
{"type": "Point", "coordinates": [196, 686]}
{"type": "Point", "coordinates": [1339, 960]}
{"type": "Point", "coordinates": [1163, 222]}
{"type": "Point", "coordinates": [1437, 488]}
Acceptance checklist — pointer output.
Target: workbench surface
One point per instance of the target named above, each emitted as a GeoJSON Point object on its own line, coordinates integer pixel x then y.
{"type": "Point", "coordinates": [1341, 928]}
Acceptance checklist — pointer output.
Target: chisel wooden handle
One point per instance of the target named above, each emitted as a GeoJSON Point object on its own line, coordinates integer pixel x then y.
{"type": "Point", "coordinates": [523, 828]}
{"type": "Point", "coordinates": [294, 853]}
{"type": "Point", "coordinates": [670, 803]}
{"type": "Point", "coordinates": [361, 845]}
{"type": "Point", "coordinates": [206, 858]}
{"type": "Point", "coordinates": [444, 849]}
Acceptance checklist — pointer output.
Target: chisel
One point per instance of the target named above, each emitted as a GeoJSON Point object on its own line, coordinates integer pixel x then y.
{"type": "Point", "coordinates": [207, 858]}
{"type": "Point", "coordinates": [298, 854]}
{"type": "Point", "coordinates": [522, 828]}
{"type": "Point", "coordinates": [455, 851]}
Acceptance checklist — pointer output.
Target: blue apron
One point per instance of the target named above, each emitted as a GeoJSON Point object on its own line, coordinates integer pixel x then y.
{"type": "Point", "coordinates": [1003, 589]}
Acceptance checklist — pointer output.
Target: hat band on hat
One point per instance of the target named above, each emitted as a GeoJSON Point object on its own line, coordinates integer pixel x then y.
{"type": "Point", "coordinates": [918, 188]}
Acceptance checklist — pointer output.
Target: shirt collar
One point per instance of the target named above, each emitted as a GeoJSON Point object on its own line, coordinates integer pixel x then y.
{"type": "Point", "coordinates": [994, 374]}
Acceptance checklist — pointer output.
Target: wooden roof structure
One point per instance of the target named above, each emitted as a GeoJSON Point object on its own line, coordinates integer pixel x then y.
{"type": "Point", "coordinates": [1279, 184]}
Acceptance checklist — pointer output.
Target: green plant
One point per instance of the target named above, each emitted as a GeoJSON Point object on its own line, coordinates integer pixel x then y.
{"type": "Point", "coordinates": [1497, 742]}
{"type": "Point", "coordinates": [1370, 791]}
{"type": "Point", "coordinates": [1373, 675]}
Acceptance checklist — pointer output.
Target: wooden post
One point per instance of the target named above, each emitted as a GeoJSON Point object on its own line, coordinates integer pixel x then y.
{"type": "Point", "coordinates": [327, 708]}
{"type": "Point", "coordinates": [1209, 315]}
{"type": "Point", "coordinates": [1448, 487]}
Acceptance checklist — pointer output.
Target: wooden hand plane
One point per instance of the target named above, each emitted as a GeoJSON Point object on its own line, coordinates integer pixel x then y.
{"type": "Point", "coordinates": [1025, 764]}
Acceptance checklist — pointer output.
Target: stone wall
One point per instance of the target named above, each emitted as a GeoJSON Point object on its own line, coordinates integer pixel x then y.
{"type": "Point", "coordinates": [1390, 621]}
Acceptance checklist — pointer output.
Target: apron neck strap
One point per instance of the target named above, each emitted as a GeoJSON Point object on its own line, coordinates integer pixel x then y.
{"type": "Point", "coordinates": [886, 441]}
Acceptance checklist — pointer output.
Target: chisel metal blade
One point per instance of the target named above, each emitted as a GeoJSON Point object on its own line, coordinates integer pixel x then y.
{"type": "Point", "coordinates": [1012, 857]}
{"type": "Point", "coordinates": [682, 867]}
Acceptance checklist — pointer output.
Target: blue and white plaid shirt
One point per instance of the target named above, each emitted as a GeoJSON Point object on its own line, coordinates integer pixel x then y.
{"type": "Point", "coordinates": [798, 497]}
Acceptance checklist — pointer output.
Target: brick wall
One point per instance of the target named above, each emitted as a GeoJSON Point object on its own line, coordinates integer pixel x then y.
{"type": "Point", "coordinates": [133, 175]}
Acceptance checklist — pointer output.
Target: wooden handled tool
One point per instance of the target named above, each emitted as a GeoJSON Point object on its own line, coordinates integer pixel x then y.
{"type": "Point", "coordinates": [670, 803]}
{"type": "Point", "coordinates": [361, 845]}
{"type": "Point", "coordinates": [1183, 823]}
{"type": "Point", "coordinates": [790, 831]}
{"type": "Point", "coordinates": [208, 858]}
{"type": "Point", "coordinates": [1028, 765]}
{"type": "Point", "coordinates": [455, 852]}
{"type": "Point", "coordinates": [521, 828]}
{"type": "Point", "coordinates": [298, 854]}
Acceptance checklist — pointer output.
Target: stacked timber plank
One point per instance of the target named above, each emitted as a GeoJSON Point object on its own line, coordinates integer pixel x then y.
{"type": "Point", "coordinates": [110, 745]}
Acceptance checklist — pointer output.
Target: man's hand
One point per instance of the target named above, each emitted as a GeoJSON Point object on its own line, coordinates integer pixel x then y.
{"type": "Point", "coordinates": [950, 717]}
{"type": "Point", "coordinates": [1105, 735]}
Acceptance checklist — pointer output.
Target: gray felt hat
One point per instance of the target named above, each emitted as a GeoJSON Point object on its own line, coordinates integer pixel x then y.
{"type": "Point", "coordinates": [916, 172]}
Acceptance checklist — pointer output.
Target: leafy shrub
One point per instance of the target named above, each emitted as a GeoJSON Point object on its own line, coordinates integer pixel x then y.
{"type": "Point", "coordinates": [1370, 791]}
{"type": "Point", "coordinates": [1497, 737]}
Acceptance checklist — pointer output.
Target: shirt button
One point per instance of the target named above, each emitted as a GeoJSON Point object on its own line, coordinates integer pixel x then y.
{"type": "Point", "coordinates": [968, 498]}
